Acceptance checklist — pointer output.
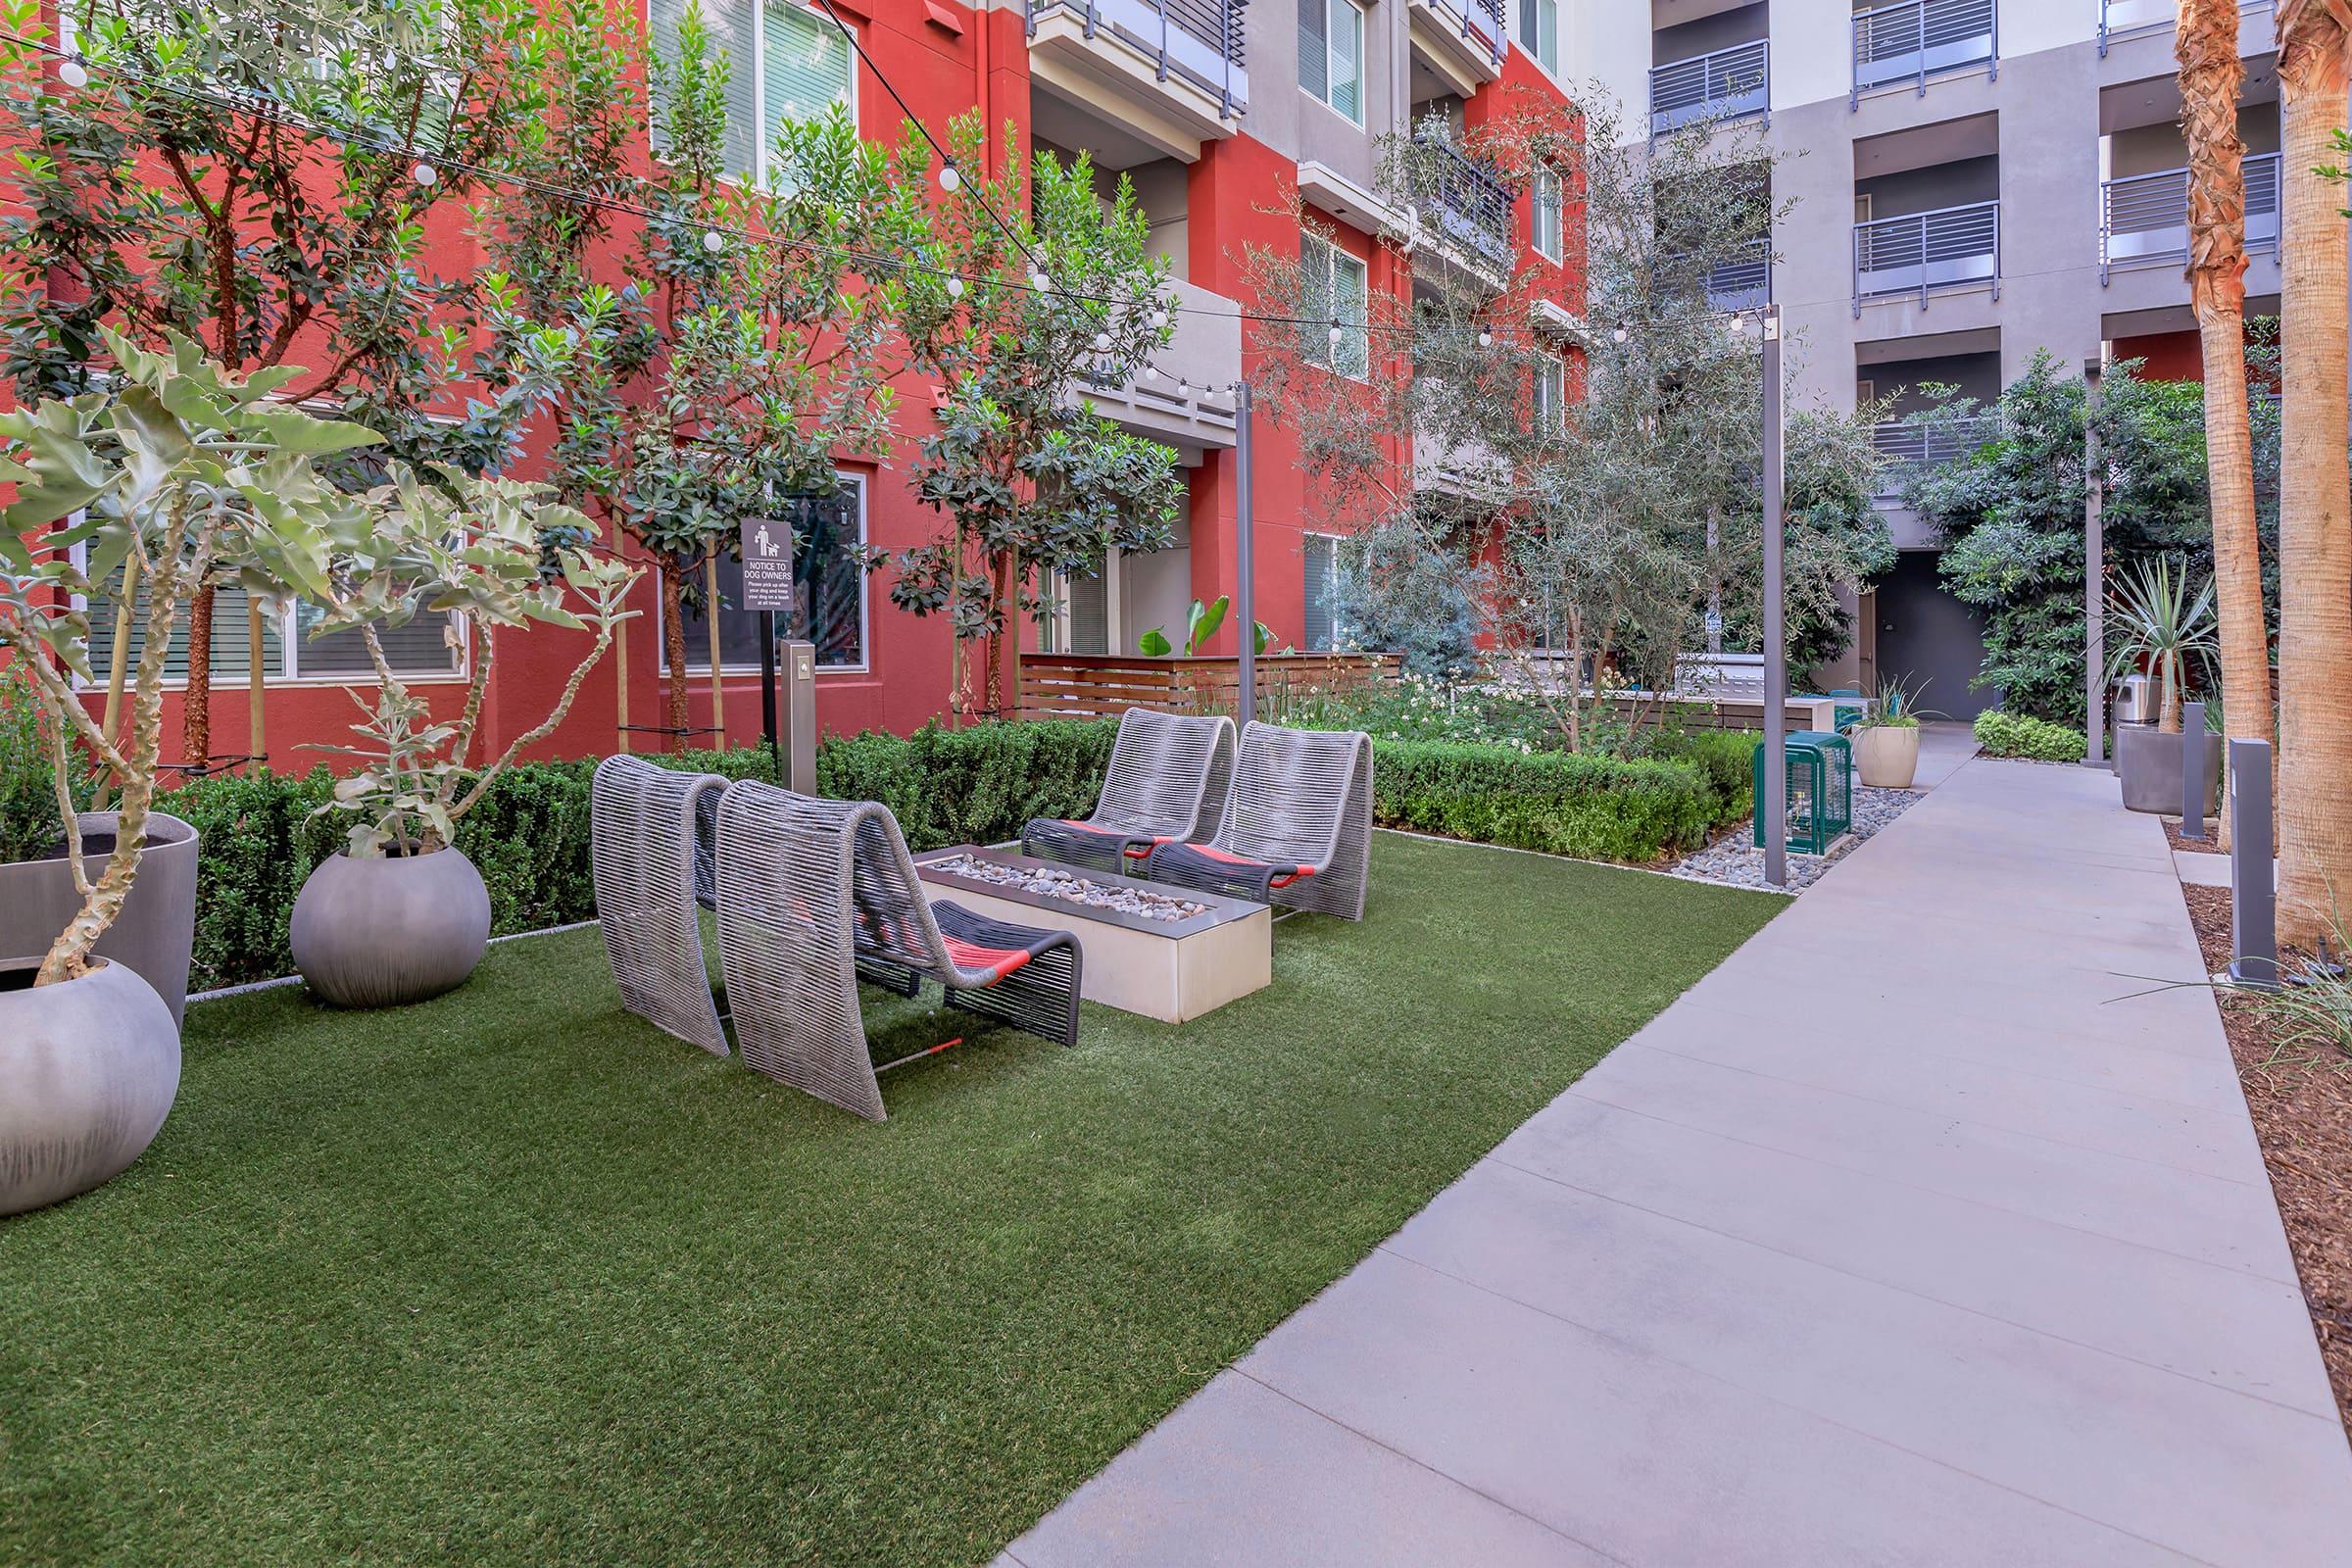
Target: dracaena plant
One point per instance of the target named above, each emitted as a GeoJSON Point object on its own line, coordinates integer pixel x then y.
{"type": "Point", "coordinates": [178, 473]}
{"type": "Point", "coordinates": [477, 551]}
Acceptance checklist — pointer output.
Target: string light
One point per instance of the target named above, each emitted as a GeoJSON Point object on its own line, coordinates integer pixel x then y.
{"type": "Point", "coordinates": [423, 173]}
{"type": "Point", "coordinates": [948, 178]}
{"type": "Point", "coordinates": [955, 287]}
{"type": "Point", "coordinates": [1621, 334]}
{"type": "Point", "coordinates": [73, 72]}
{"type": "Point", "coordinates": [1738, 326]}
{"type": "Point", "coordinates": [1158, 318]}
{"type": "Point", "coordinates": [1335, 334]}
{"type": "Point", "coordinates": [1102, 342]}
{"type": "Point", "coordinates": [1485, 339]}
{"type": "Point", "coordinates": [1038, 282]}
{"type": "Point", "coordinates": [712, 242]}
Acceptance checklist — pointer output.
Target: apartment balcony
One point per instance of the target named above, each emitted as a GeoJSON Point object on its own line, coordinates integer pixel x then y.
{"type": "Point", "coordinates": [1921, 254]}
{"type": "Point", "coordinates": [1742, 283]}
{"type": "Point", "coordinates": [1463, 217]}
{"type": "Point", "coordinates": [1461, 41]}
{"type": "Point", "coordinates": [1174, 402]}
{"type": "Point", "coordinates": [1904, 447]}
{"type": "Point", "coordinates": [1169, 71]}
{"type": "Point", "coordinates": [1734, 83]}
{"type": "Point", "coordinates": [2120, 19]}
{"type": "Point", "coordinates": [1920, 39]}
{"type": "Point", "coordinates": [2143, 220]}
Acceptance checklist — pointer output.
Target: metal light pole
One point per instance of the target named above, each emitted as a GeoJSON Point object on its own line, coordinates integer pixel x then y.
{"type": "Point", "coordinates": [2094, 578]}
{"type": "Point", "coordinates": [1774, 806]}
{"type": "Point", "coordinates": [1245, 595]}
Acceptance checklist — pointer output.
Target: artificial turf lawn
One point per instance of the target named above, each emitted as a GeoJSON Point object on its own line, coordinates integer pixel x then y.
{"type": "Point", "coordinates": [510, 1276]}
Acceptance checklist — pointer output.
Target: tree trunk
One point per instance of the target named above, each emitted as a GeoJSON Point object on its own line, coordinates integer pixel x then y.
{"type": "Point", "coordinates": [2315, 513]}
{"type": "Point", "coordinates": [673, 649]}
{"type": "Point", "coordinates": [196, 700]}
{"type": "Point", "coordinates": [1008, 623]}
{"type": "Point", "coordinates": [2211, 76]}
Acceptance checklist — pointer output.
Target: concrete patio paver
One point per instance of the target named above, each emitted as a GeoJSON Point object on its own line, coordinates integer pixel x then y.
{"type": "Point", "coordinates": [1980, 1263]}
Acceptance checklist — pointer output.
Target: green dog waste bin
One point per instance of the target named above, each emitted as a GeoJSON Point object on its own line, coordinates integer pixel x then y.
{"type": "Point", "coordinates": [1821, 790]}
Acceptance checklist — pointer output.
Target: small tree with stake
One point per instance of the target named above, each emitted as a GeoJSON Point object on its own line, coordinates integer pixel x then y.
{"type": "Point", "coordinates": [1035, 288]}
{"type": "Point", "coordinates": [251, 174]}
{"type": "Point", "coordinates": [751, 351]}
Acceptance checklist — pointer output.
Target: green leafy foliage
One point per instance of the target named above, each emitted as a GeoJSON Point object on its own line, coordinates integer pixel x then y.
{"type": "Point", "coordinates": [2005, 734]}
{"type": "Point", "coordinates": [29, 823]}
{"type": "Point", "coordinates": [1594, 808]}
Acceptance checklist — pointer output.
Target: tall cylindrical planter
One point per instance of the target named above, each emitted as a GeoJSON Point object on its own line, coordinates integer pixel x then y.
{"type": "Point", "coordinates": [390, 929]}
{"type": "Point", "coordinates": [88, 1069]}
{"type": "Point", "coordinates": [155, 933]}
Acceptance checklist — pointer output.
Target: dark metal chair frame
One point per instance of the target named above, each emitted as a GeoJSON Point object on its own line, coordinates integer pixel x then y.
{"type": "Point", "coordinates": [1167, 779]}
{"type": "Point", "coordinates": [1296, 828]}
{"type": "Point", "coordinates": [815, 895]}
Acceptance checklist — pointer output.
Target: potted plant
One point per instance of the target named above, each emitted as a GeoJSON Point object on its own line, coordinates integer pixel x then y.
{"type": "Point", "coordinates": [182, 472]}
{"type": "Point", "coordinates": [2156, 623]}
{"type": "Point", "coordinates": [400, 915]}
{"type": "Point", "coordinates": [1886, 738]}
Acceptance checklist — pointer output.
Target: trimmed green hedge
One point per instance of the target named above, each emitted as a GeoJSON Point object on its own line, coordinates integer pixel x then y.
{"type": "Point", "coordinates": [530, 835]}
{"type": "Point", "coordinates": [1561, 802]}
{"type": "Point", "coordinates": [2022, 735]}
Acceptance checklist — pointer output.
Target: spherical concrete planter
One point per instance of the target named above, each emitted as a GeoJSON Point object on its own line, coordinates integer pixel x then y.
{"type": "Point", "coordinates": [156, 928]}
{"type": "Point", "coordinates": [88, 1069]}
{"type": "Point", "coordinates": [390, 929]}
{"type": "Point", "coordinates": [1886, 755]}
{"type": "Point", "coordinates": [2147, 764]}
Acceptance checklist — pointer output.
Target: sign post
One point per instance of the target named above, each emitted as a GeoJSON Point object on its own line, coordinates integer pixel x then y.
{"type": "Point", "coordinates": [767, 551]}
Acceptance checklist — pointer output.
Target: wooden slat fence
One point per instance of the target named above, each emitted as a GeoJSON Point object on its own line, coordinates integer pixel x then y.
{"type": "Point", "coordinates": [1106, 685]}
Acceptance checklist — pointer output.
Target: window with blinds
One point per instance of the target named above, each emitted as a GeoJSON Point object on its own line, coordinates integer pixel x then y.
{"type": "Point", "coordinates": [828, 591]}
{"type": "Point", "coordinates": [1322, 616]}
{"type": "Point", "coordinates": [785, 62]}
{"type": "Point", "coordinates": [418, 651]}
{"type": "Point", "coordinates": [1338, 282]}
{"type": "Point", "coordinates": [1090, 614]}
{"type": "Point", "coordinates": [1331, 54]}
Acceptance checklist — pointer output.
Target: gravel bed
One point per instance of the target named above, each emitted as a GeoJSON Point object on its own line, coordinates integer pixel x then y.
{"type": "Point", "coordinates": [1735, 862]}
{"type": "Point", "coordinates": [1052, 882]}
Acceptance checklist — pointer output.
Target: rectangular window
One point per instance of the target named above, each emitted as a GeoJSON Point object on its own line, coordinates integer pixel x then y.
{"type": "Point", "coordinates": [1338, 285]}
{"type": "Point", "coordinates": [828, 591]}
{"type": "Point", "coordinates": [1331, 54]}
{"type": "Point", "coordinates": [1539, 33]}
{"type": "Point", "coordinates": [420, 650]}
{"type": "Point", "coordinates": [1321, 618]}
{"type": "Point", "coordinates": [1551, 395]}
{"type": "Point", "coordinates": [785, 62]}
{"type": "Point", "coordinates": [1547, 215]}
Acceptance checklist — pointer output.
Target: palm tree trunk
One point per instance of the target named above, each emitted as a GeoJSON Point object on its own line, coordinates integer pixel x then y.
{"type": "Point", "coordinates": [2212, 73]}
{"type": "Point", "coordinates": [2315, 511]}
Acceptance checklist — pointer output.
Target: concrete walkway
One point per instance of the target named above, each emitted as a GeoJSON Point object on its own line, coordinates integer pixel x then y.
{"type": "Point", "coordinates": [1981, 1265]}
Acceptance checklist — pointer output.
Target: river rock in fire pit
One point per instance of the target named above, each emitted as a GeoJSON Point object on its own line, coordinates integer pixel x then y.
{"type": "Point", "coordinates": [1053, 882]}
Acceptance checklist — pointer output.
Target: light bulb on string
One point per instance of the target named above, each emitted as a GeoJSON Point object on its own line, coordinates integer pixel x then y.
{"type": "Point", "coordinates": [948, 178]}
{"type": "Point", "coordinates": [1335, 334]}
{"type": "Point", "coordinates": [1486, 340]}
{"type": "Point", "coordinates": [1038, 282]}
{"type": "Point", "coordinates": [711, 241]}
{"type": "Point", "coordinates": [73, 72]}
{"type": "Point", "coordinates": [1157, 319]}
{"type": "Point", "coordinates": [1184, 388]}
{"type": "Point", "coordinates": [1737, 327]}
{"type": "Point", "coordinates": [424, 174]}
{"type": "Point", "coordinates": [1102, 342]}
{"type": "Point", "coordinates": [955, 287]}
{"type": "Point", "coordinates": [1621, 334]}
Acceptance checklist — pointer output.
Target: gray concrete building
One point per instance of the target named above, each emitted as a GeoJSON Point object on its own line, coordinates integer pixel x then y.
{"type": "Point", "coordinates": [1969, 182]}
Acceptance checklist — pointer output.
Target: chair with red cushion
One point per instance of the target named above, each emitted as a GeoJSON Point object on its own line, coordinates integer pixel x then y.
{"type": "Point", "coordinates": [816, 894]}
{"type": "Point", "coordinates": [1296, 828]}
{"type": "Point", "coordinates": [1168, 780]}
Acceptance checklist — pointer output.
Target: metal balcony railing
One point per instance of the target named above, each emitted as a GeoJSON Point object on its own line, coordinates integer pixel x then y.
{"type": "Point", "coordinates": [1465, 202]}
{"type": "Point", "coordinates": [1729, 85]}
{"type": "Point", "coordinates": [1922, 39]}
{"type": "Point", "coordinates": [1199, 40]}
{"type": "Point", "coordinates": [2143, 218]}
{"type": "Point", "coordinates": [1904, 447]}
{"type": "Point", "coordinates": [1925, 253]}
{"type": "Point", "coordinates": [1479, 21]}
{"type": "Point", "coordinates": [1741, 284]}
{"type": "Point", "coordinates": [2120, 17]}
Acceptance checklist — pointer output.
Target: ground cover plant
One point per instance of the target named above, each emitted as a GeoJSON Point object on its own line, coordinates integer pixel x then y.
{"type": "Point", "coordinates": [510, 1276]}
{"type": "Point", "coordinates": [2006, 734]}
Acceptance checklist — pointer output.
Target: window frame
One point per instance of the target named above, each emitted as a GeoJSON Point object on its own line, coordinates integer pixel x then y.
{"type": "Point", "coordinates": [1362, 18]}
{"type": "Point", "coordinates": [1338, 542]}
{"type": "Point", "coordinates": [701, 666]}
{"type": "Point", "coordinates": [1550, 403]}
{"type": "Point", "coordinates": [1529, 40]}
{"type": "Point", "coordinates": [1556, 230]}
{"type": "Point", "coordinates": [761, 141]}
{"type": "Point", "coordinates": [1323, 358]}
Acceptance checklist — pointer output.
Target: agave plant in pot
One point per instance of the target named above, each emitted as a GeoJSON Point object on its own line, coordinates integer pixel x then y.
{"type": "Point", "coordinates": [2159, 621]}
{"type": "Point", "coordinates": [400, 913]}
{"type": "Point", "coordinates": [178, 475]}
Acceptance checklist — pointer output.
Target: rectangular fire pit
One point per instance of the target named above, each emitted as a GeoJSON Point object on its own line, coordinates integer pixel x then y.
{"type": "Point", "coordinates": [1164, 953]}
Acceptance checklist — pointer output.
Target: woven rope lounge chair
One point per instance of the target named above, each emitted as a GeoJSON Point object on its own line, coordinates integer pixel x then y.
{"type": "Point", "coordinates": [1168, 780]}
{"type": "Point", "coordinates": [647, 864]}
{"type": "Point", "coordinates": [815, 895]}
{"type": "Point", "coordinates": [1296, 830]}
